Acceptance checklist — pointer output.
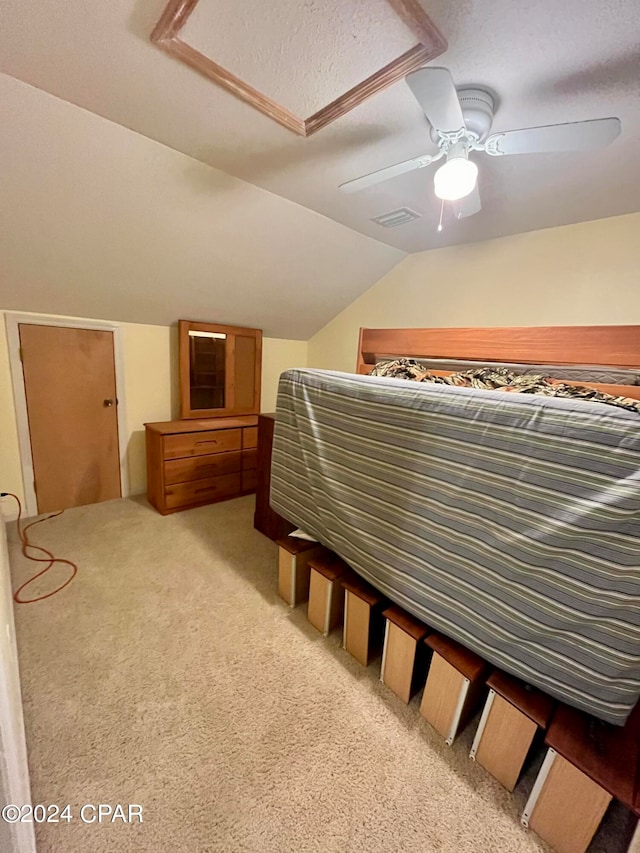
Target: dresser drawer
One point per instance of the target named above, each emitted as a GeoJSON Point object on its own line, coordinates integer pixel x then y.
{"type": "Point", "coordinates": [201, 443]}
{"type": "Point", "coordinates": [250, 437]}
{"type": "Point", "coordinates": [201, 467]}
{"type": "Point", "coordinates": [213, 488]}
{"type": "Point", "coordinates": [249, 459]}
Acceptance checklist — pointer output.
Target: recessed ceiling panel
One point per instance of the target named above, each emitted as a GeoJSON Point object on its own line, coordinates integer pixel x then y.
{"type": "Point", "coordinates": [323, 57]}
{"type": "Point", "coordinates": [301, 55]}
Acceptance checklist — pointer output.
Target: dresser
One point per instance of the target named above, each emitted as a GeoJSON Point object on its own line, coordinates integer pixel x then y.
{"type": "Point", "coordinates": [196, 462]}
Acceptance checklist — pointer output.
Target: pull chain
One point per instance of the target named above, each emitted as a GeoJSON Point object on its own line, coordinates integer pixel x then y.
{"type": "Point", "coordinates": [441, 212]}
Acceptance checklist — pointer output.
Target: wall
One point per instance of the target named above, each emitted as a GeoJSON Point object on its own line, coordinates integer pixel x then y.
{"type": "Point", "coordinates": [150, 360]}
{"type": "Point", "coordinates": [14, 771]}
{"type": "Point", "coordinates": [278, 355]}
{"type": "Point", "coordinates": [573, 275]}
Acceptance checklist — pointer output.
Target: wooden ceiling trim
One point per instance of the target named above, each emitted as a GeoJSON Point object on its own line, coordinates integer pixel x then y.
{"type": "Point", "coordinates": [172, 19]}
{"type": "Point", "coordinates": [391, 73]}
{"type": "Point", "coordinates": [432, 43]}
{"type": "Point", "coordinates": [198, 61]}
{"type": "Point", "coordinates": [414, 16]}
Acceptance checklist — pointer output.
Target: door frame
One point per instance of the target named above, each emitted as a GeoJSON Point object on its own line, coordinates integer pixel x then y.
{"type": "Point", "coordinates": [13, 321]}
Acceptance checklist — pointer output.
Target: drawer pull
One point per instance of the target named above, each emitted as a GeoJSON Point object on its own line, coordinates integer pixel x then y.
{"type": "Point", "coordinates": [207, 489]}
{"type": "Point", "coordinates": [207, 441]}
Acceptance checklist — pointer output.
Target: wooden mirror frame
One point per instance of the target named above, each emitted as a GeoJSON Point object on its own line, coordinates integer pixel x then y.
{"type": "Point", "coordinates": [231, 332]}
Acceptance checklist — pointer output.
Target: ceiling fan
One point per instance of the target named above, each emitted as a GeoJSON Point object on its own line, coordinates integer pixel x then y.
{"type": "Point", "coordinates": [460, 122]}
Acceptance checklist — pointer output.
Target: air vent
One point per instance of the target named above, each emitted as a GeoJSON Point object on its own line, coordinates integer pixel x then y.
{"type": "Point", "coordinates": [396, 217]}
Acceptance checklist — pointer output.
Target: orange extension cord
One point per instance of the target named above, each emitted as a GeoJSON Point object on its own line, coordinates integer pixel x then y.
{"type": "Point", "coordinates": [50, 560]}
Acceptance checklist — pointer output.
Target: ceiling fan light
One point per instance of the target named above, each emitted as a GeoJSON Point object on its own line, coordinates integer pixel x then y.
{"type": "Point", "coordinates": [455, 179]}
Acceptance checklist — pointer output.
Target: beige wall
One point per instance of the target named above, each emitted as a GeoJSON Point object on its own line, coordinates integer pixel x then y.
{"type": "Point", "coordinates": [150, 361]}
{"type": "Point", "coordinates": [572, 275]}
{"type": "Point", "coordinates": [278, 355]}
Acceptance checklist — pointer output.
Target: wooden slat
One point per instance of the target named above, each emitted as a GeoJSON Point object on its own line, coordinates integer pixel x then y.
{"type": "Point", "coordinates": [293, 569]}
{"type": "Point", "coordinates": [471, 665]}
{"type": "Point", "coordinates": [358, 623]}
{"type": "Point", "coordinates": [317, 608]}
{"type": "Point", "coordinates": [326, 601]}
{"type": "Point", "coordinates": [569, 808]}
{"type": "Point", "coordinates": [293, 545]}
{"type": "Point", "coordinates": [359, 587]}
{"type": "Point", "coordinates": [286, 571]}
{"type": "Point", "coordinates": [529, 700]}
{"type": "Point", "coordinates": [441, 693]}
{"type": "Point", "coordinates": [399, 663]}
{"type": "Point", "coordinates": [505, 742]}
{"type": "Point", "coordinates": [601, 346]}
{"type": "Point", "coordinates": [610, 755]}
{"type": "Point", "coordinates": [329, 565]}
{"type": "Point", "coordinates": [611, 346]}
{"type": "Point", "coordinates": [407, 623]}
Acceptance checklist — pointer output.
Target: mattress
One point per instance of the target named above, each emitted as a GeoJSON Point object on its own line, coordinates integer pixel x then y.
{"type": "Point", "coordinates": [510, 523]}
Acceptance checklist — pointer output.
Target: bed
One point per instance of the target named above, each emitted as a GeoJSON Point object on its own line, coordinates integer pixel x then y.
{"type": "Point", "coordinates": [508, 522]}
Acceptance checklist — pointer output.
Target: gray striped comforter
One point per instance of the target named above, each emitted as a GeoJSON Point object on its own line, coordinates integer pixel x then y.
{"type": "Point", "coordinates": [510, 523]}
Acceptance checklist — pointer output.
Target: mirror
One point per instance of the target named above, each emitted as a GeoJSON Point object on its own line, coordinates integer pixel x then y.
{"type": "Point", "coordinates": [207, 354]}
{"type": "Point", "coordinates": [220, 369]}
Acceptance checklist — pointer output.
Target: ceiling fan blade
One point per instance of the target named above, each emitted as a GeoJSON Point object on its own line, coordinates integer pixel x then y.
{"type": "Point", "coordinates": [468, 205]}
{"type": "Point", "coordinates": [435, 91]}
{"type": "Point", "coordinates": [374, 178]}
{"type": "Point", "coordinates": [574, 136]}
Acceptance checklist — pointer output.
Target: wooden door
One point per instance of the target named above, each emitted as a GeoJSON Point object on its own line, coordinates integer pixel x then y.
{"type": "Point", "coordinates": [69, 378]}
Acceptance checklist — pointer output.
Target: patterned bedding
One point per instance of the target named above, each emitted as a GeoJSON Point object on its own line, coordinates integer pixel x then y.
{"type": "Point", "coordinates": [509, 522]}
{"type": "Point", "coordinates": [501, 379]}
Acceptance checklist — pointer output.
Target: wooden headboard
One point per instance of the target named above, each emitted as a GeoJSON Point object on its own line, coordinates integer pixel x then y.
{"type": "Point", "coordinates": [601, 346]}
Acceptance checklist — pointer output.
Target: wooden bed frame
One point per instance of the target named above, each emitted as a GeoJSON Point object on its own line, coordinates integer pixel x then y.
{"type": "Point", "coordinates": [593, 775]}
{"type": "Point", "coordinates": [601, 346]}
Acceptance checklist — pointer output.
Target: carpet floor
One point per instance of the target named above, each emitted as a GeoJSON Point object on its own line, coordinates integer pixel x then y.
{"type": "Point", "coordinates": [169, 674]}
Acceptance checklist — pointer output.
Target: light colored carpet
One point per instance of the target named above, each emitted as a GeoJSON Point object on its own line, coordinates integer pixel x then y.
{"type": "Point", "coordinates": [171, 675]}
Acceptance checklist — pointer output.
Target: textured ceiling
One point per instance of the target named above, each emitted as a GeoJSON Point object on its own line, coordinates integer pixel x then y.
{"type": "Point", "coordinates": [287, 65]}
{"type": "Point", "coordinates": [546, 62]}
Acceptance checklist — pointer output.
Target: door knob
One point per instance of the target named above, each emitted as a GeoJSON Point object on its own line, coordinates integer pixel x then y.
{"type": "Point", "coordinates": [107, 403]}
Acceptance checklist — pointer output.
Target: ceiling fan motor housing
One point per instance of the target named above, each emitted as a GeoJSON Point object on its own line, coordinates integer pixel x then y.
{"type": "Point", "coordinates": [477, 109]}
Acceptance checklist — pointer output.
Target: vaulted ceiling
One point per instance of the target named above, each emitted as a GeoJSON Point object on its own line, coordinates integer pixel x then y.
{"type": "Point", "coordinates": [546, 62]}
{"type": "Point", "coordinates": [98, 221]}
